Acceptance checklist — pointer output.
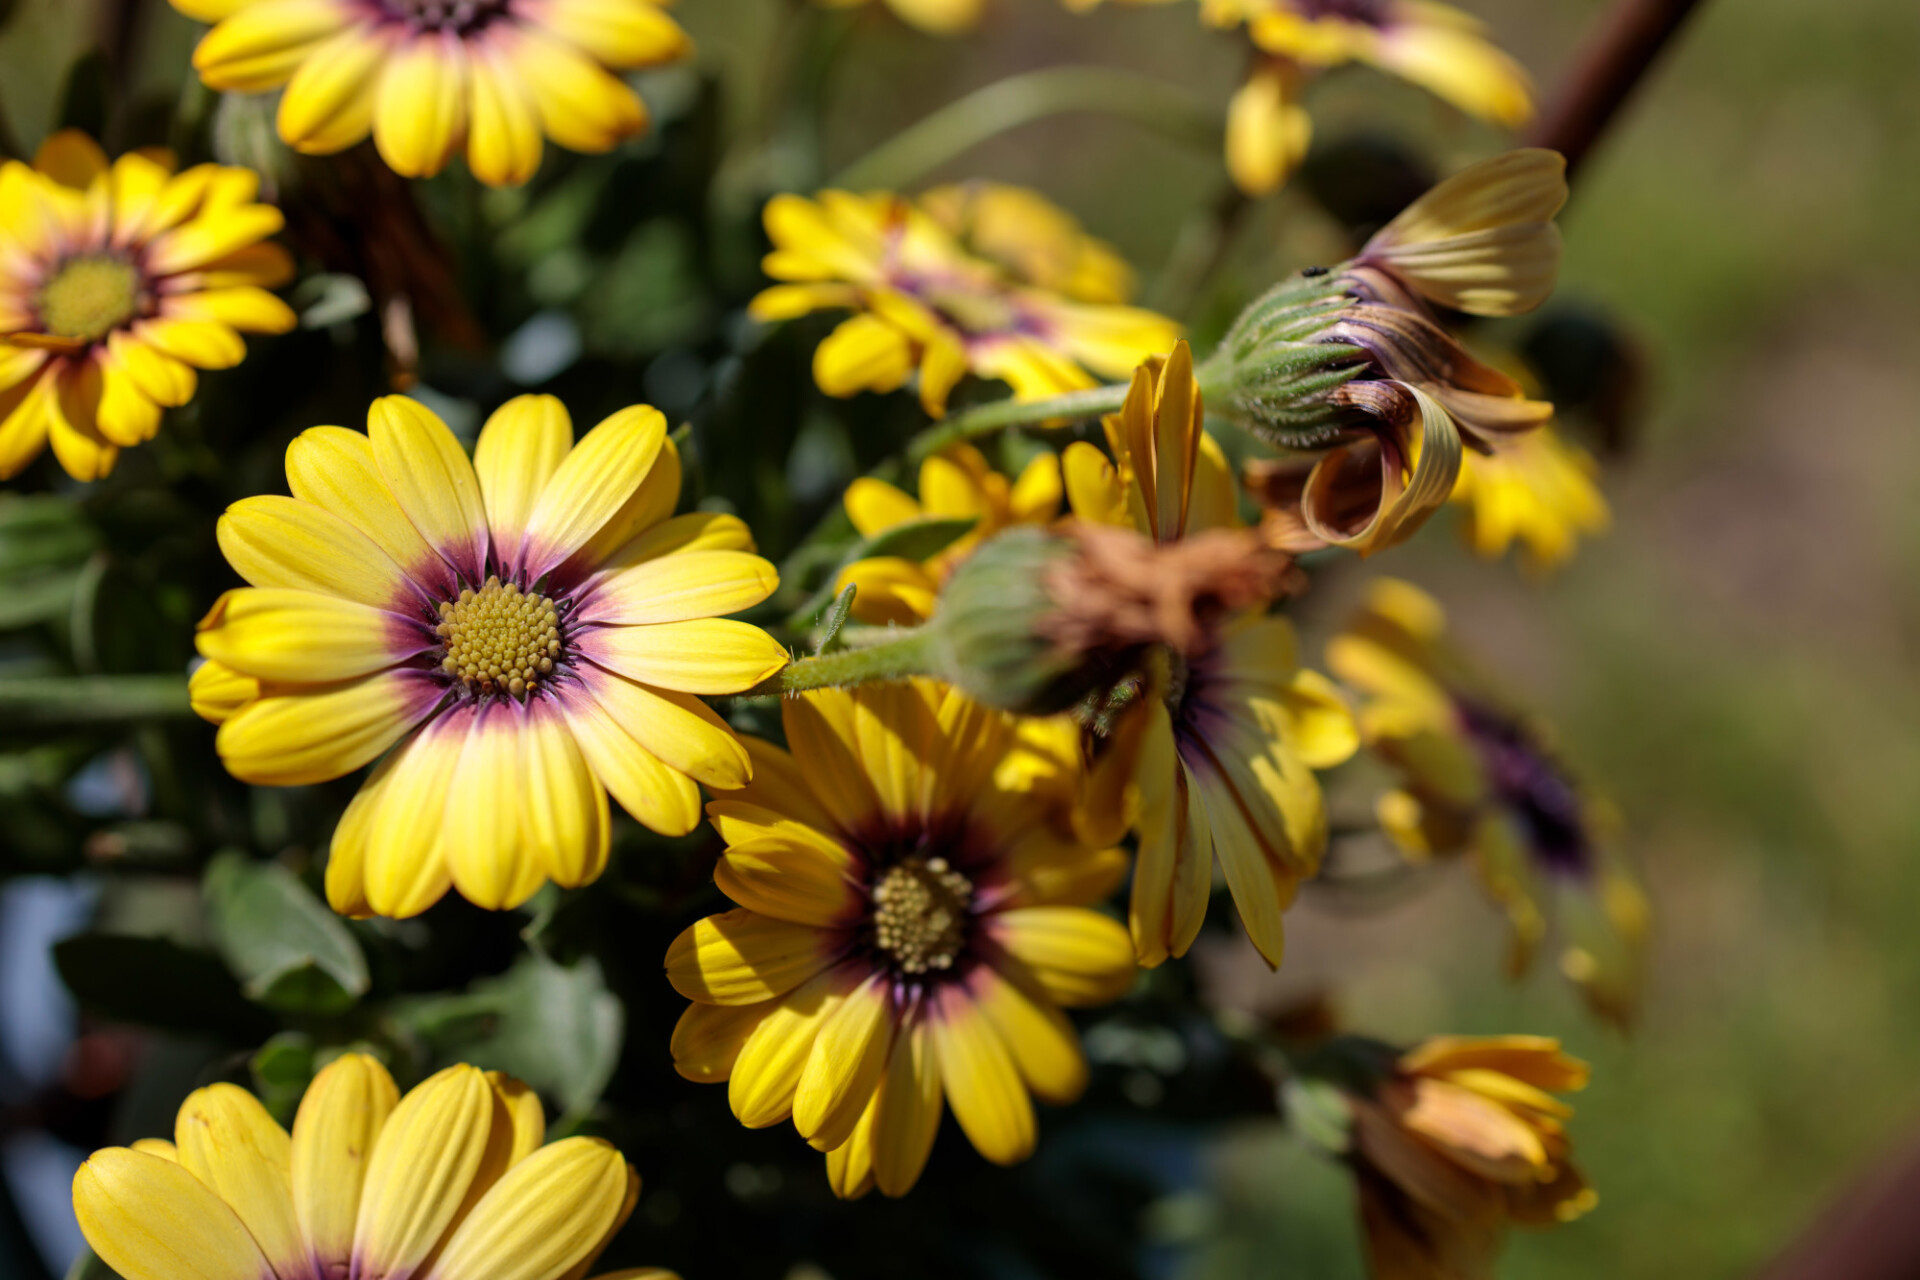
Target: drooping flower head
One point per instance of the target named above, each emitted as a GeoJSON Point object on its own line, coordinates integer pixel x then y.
{"type": "Point", "coordinates": [924, 303]}
{"type": "Point", "coordinates": [1216, 757]}
{"type": "Point", "coordinates": [450, 1182]}
{"type": "Point", "coordinates": [956, 484]}
{"type": "Point", "coordinates": [1476, 778]}
{"type": "Point", "coordinates": [911, 921]}
{"type": "Point", "coordinates": [1460, 1139]}
{"type": "Point", "coordinates": [532, 627]}
{"type": "Point", "coordinates": [429, 77]}
{"type": "Point", "coordinates": [117, 283]}
{"type": "Point", "coordinates": [1432, 45]}
{"type": "Point", "coordinates": [1536, 489]}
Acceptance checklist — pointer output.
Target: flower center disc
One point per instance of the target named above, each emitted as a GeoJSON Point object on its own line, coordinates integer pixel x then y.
{"type": "Point", "coordinates": [462, 17]}
{"type": "Point", "coordinates": [920, 914]}
{"type": "Point", "coordinates": [499, 639]}
{"type": "Point", "coordinates": [89, 297]}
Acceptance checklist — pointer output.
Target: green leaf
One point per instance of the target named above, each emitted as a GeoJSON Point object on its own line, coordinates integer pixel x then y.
{"type": "Point", "coordinates": [557, 1028]}
{"type": "Point", "coordinates": [40, 532]}
{"type": "Point", "coordinates": [1318, 1112]}
{"type": "Point", "coordinates": [914, 540]}
{"type": "Point", "coordinates": [290, 952]}
{"type": "Point", "coordinates": [89, 1267]}
{"type": "Point", "coordinates": [156, 982]}
{"type": "Point", "coordinates": [282, 1070]}
{"type": "Point", "coordinates": [836, 618]}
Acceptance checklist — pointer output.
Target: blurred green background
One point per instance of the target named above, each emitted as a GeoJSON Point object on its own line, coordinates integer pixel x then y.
{"type": "Point", "coordinates": [1735, 663]}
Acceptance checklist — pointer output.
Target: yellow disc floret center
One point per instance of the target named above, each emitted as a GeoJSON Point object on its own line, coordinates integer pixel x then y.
{"type": "Point", "coordinates": [89, 297]}
{"type": "Point", "coordinates": [500, 639]}
{"type": "Point", "coordinates": [920, 914]}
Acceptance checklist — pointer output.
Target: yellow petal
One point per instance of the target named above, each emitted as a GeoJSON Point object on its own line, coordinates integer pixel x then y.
{"type": "Point", "coordinates": [888, 589]}
{"type": "Point", "coordinates": [406, 862]}
{"type": "Point", "coordinates": [1036, 494]}
{"type": "Point", "coordinates": [875, 506]}
{"type": "Point", "coordinates": [492, 864]}
{"type": "Point", "coordinates": [1079, 956]}
{"type": "Point", "coordinates": [664, 799]}
{"type": "Point", "coordinates": [788, 301]}
{"type": "Point", "coordinates": [1094, 491]}
{"type": "Point", "coordinates": [635, 524]}
{"type": "Point", "coordinates": [334, 468]}
{"type": "Point", "coordinates": [160, 377]}
{"type": "Point", "coordinates": [761, 1087]}
{"type": "Point", "coordinates": [257, 47]}
{"type": "Point", "coordinates": [204, 344]}
{"type": "Point", "coordinates": [1461, 67]}
{"type": "Point", "coordinates": [863, 353]}
{"type": "Point", "coordinates": [779, 787]}
{"type": "Point", "coordinates": [850, 1165]}
{"type": "Point", "coordinates": [328, 104]}
{"type": "Point", "coordinates": [427, 1155]}
{"type": "Point", "coordinates": [226, 1139]}
{"type": "Point", "coordinates": [244, 307]}
{"type": "Point", "coordinates": [738, 957]}
{"type": "Point", "coordinates": [420, 111]}
{"type": "Point", "coordinates": [72, 429]}
{"type": "Point", "coordinates": [909, 1109]}
{"type": "Point", "coordinates": [23, 431]}
{"type": "Point", "coordinates": [823, 740]}
{"type": "Point", "coordinates": [581, 106]}
{"type": "Point", "coordinates": [279, 634]}
{"type": "Point", "coordinates": [1174, 870]}
{"type": "Point", "coordinates": [1040, 1039]}
{"type": "Point", "coordinates": [71, 158]}
{"type": "Point", "coordinates": [678, 729]}
{"type": "Point", "coordinates": [126, 417]}
{"type": "Point", "coordinates": [680, 587]}
{"type": "Point", "coordinates": [981, 1080]}
{"type": "Point", "coordinates": [294, 739]}
{"type": "Point", "coordinates": [706, 656]}
{"type": "Point", "coordinates": [618, 33]}
{"type": "Point", "coordinates": [708, 1038]}
{"type": "Point", "coordinates": [149, 1219]}
{"type": "Point", "coordinates": [592, 484]}
{"type": "Point", "coordinates": [216, 692]}
{"type": "Point", "coordinates": [694, 531]}
{"type": "Point", "coordinates": [791, 880]}
{"type": "Point", "coordinates": [504, 144]}
{"type": "Point", "coordinates": [1261, 883]}
{"type": "Point", "coordinates": [273, 541]}
{"type": "Point", "coordinates": [431, 479]}
{"type": "Point", "coordinates": [849, 1052]}
{"type": "Point", "coordinates": [563, 805]}
{"type": "Point", "coordinates": [210, 237]}
{"type": "Point", "coordinates": [548, 1212]}
{"type": "Point", "coordinates": [1267, 135]}
{"type": "Point", "coordinates": [340, 1119]}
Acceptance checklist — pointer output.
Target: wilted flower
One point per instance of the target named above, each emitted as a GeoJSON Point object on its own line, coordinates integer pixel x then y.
{"type": "Point", "coordinates": [1429, 44]}
{"type": "Point", "coordinates": [1536, 489]}
{"type": "Point", "coordinates": [911, 921]}
{"type": "Point", "coordinates": [923, 302]}
{"type": "Point", "coordinates": [117, 283]}
{"type": "Point", "coordinates": [1477, 778]}
{"type": "Point", "coordinates": [1461, 1138]}
{"type": "Point", "coordinates": [427, 77]}
{"type": "Point", "coordinates": [956, 484]}
{"type": "Point", "coordinates": [529, 626]}
{"type": "Point", "coordinates": [450, 1181]}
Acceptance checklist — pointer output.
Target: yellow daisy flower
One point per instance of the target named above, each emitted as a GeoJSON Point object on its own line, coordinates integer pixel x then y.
{"type": "Point", "coordinates": [1032, 238]}
{"type": "Point", "coordinates": [530, 626]}
{"type": "Point", "coordinates": [1462, 1138]}
{"type": "Point", "coordinates": [117, 282]}
{"type": "Point", "coordinates": [450, 1181]}
{"type": "Point", "coordinates": [923, 302]}
{"type": "Point", "coordinates": [911, 921]}
{"type": "Point", "coordinates": [1478, 779]}
{"type": "Point", "coordinates": [1536, 489]}
{"type": "Point", "coordinates": [1216, 758]}
{"type": "Point", "coordinates": [1431, 45]}
{"type": "Point", "coordinates": [428, 77]}
{"type": "Point", "coordinates": [956, 484]}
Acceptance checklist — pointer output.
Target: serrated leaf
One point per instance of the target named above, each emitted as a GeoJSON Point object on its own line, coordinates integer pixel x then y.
{"type": "Point", "coordinates": [290, 952]}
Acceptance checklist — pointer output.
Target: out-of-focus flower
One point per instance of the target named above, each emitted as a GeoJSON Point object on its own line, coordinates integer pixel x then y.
{"type": "Point", "coordinates": [1462, 1138]}
{"type": "Point", "coordinates": [1034, 239]}
{"type": "Point", "coordinates": [427, 77]}
{"type": "Point", "coordinates": [1400, 400]}
{"type": "Point", "coordinates": [450, 1180]}
{"type": "Point", "coordinates": [956, 484]}
{"type": "Point", "coordinates": [1215, 757]}
{"type": "Point", "coordinates": [911, 921]}
{"type": "Point", "coordinates": [1536, 489]}
{"type": "Point", "coordinates": [1432, 45]}
{"type": "Point", "coordinates": [530, 626]}
{"type": "Point", "coordinates": [117, 283]}
{"type": "Point", "coordinates": [923, 303]}
{"type": "Point", "coordinates": [1479, 779]}
{"type": "Point", "coordinates": [935, 17]}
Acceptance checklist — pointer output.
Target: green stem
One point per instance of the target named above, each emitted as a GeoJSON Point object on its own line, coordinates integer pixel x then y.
{"type": "Point", "coordinates": [911, 654]}
{"type": "Point", "coordinates": [1007, 104]}
{"type": "Point", "coordinates": [51, 701]}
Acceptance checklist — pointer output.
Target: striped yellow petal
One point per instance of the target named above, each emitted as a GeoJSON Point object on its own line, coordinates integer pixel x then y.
{"type": "Point", "coordinates": [981, 1080]}
{"type": "Point", "coordinates": [1040, 1038]}
{"type": "Point", "coordinates": [739, 957]}
{"type": "Point", "coordinates": [334, 1134]}
{"type": "Point", "coordinates": [766, 1073]}
{"type": "Point", "coordinates": [706, 656]}
{"type": "Point", "coordinates": [1079, 956]}
{"type": "Point", "coordinates": [217, 691]}
{"type": "Point", "coordinates": [503, 144]}
{"type": "Point", "coordinates": [849, 1052]}
{"type": "Point", "coordinates": [619, 33]}
{"type": "Point", "coordinates": [149, 1219]}
{"type": "Point", "coordinates": [822, 738]}
{"type": "Point", "coordinates": [226, 1139]}
{"type": "Point", "coordinates": [293, 739]}
{"type": "Point", "coordinates": [678, 729]}
{"type": "Point", "coordinates": [592, 484]}
{"type": "Point", "coordinates": [649, 506]}
{"type": "Point", "coordinates": [280, 634]}
{"type": "Point", "coordinates": [582, 107]}
{"type": "Point", "coordinates": [352, 836]}
{"type": "Point", "coordinates": [492, 864]}
{"type": "Point", "coordinates": [548, 1212]}
{"type": "Point", "coordinates": [742, 823]}
{"type": "Point", "coordinates": [694, 531]}
{"type": "Point", "coordinates": [790, 880]}
{"type": "Point", "coordinates": [520, 448]}
{"type": "Point", "coordinates": [708, 1038]}
{"type": "Point", "coordinates": [406, 862]}
{"type": "Point", "coordinates": [328, 104]}
{"type": "Point", "coordinates": [680, 587]}
{"type": "Point", "coordinates": [258, 47]}
{"type": "Point", "coordinates": [663, 799]}
{"type": "Point", "coordinates": [909, 1109]}
{"type": "Point", "coordinates": [563, 806]}
{"type": "Point", "coordinates": [420, 108]}
{"type": "Point", "coordinates": [273, 541]}
{"type": "Point", "coordinates": [431, 479]}
{"type": "Point", "coordinates": [427, 1155]}
{"type": "Point", "coordinates": [334, 468]}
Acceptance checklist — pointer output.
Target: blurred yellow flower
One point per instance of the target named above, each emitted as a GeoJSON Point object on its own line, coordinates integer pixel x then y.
{"type": "Point", "coordinates": [427, 77]}
{"type": "Point", "coordinates": [1478, 779]}
{"type": "Point", "coordinates": [1215, 759]}
{"type": "Point", "coordinates": [1536, 489]}
{"type": "Point", "coordinates": [1035, 240]}
{"type": "Point", "coordinates": [1431, 45]}
{"type": "Point", "coordinates": [911, 921]}
{"type": "Point", "coordinates": [923, 302]}
{"type": "Point", "coordinates": [1463, 1138]}
{"type": "Point", "coordinates": [450, 1180]}
{"type": "Point", "coordinates": [117, 283]}
{"type": "Point", "coordinates": [956, 484]}
{"type": "Point", "coordinates": [530, 626]}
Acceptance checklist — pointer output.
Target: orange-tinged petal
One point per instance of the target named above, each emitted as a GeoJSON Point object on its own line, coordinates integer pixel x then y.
{"type": "Point", "coordinates": [71, 158]}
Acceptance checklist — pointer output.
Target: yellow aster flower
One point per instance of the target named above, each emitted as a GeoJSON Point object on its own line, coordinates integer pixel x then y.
{"type": "Point", "coordinates": [1536, 489]}
{"type": "Point", "coordinates": [1463, 1138]}
{"type": "Point", "coordinates": [1479, 779]}
{"type": "Point", "coordinates": [1032, 238]}
{"type": "Point", "coordinates": [924, 303]}
{"type": "Point", "coordinates": [911, 922]}
{"type": "Point", "coordinates": [428, 77]}
{"type": "Point", "coordinates": [1216, 758]}
{"type": "Point", "coordinates": [1431, 45]}
{"type": "Point", "coordinates": [449, 1182]}
{"type": "Point", "coordinates": [117, 283]}
{"type": "Point", "coordinates": [956, 484]}
{"type": "Point", "coordinates": [530, 627]}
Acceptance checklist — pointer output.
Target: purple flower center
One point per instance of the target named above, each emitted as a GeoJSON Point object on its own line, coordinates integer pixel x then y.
{"type": "Point", "coordinates": [1373, 13]}
{"type": "Point", "coordinates": [1532, 787]}
{"type": "Point", "coordinates": [462, 17]}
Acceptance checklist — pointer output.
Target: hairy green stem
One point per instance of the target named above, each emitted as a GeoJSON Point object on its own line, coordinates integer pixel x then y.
{"type": "Point", "coordinates": [50, 701]}
{"type": "Point", "coordinates": [909, 654]}
{"type": "Point", "coordinates": [1006, 104]}
{"type": "Point", "coordinates": [987, 418]}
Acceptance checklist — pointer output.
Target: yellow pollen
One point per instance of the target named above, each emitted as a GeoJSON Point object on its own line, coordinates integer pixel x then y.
{"type": "Point", "coordinates": [89, 297]}
{"type": "Point", "coordinates": [499, 639]}
{"type": "Point", "coordinates": [920, 914]}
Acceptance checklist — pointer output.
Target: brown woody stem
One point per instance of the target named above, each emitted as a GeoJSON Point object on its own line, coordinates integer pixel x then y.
{"type": "Point", "coordinates": [1613, 62]}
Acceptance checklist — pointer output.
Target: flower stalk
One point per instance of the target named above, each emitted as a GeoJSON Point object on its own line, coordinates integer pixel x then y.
{"type": "Point", "coordinates": [911, 653]}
